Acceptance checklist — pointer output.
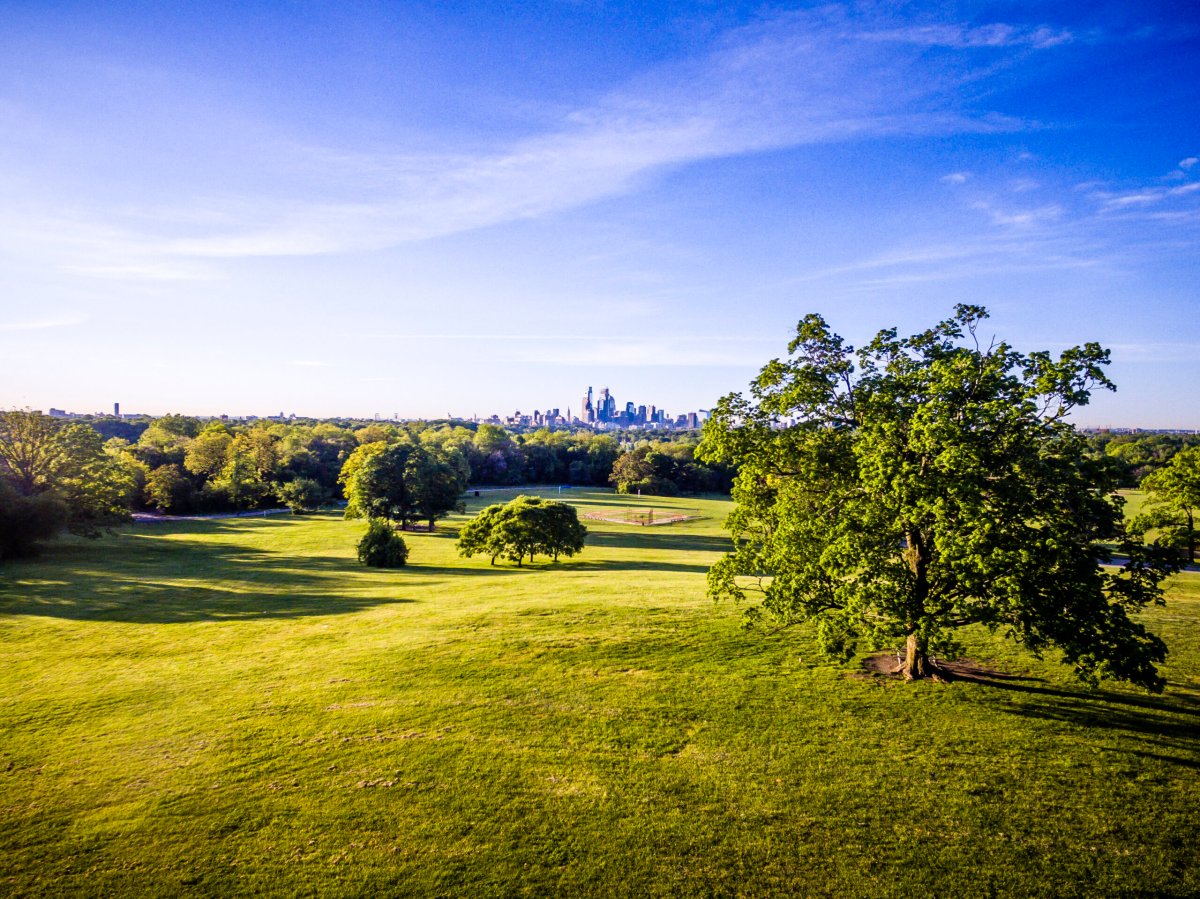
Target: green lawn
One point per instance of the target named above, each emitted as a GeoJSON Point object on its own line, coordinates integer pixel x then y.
{"type": "Point", "coordinates": [232, 707]}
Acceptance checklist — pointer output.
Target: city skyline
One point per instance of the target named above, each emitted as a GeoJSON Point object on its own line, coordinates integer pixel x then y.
{"type": "Point", "coordinates": [552, 416]}
{"type": "Point", "coordinates": [426, 207]}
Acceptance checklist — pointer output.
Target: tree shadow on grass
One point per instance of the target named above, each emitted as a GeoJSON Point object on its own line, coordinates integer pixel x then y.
{"type": "Point", "coordinates": [475, 570]}
{"type": "Point", "coordinates": [1181, 700]}
{"type": "Point", "coordinates": [1167, 727]}
{"type": "Point", "coordinates": [150, 580]}
{"type": "Point", "coordinates": [635, 565]}
{"type": "Point", "coordinates": [651, 539]}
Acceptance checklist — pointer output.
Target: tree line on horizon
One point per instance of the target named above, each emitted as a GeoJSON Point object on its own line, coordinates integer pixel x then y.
{"type": "Point", "coordinates": [83, 475]}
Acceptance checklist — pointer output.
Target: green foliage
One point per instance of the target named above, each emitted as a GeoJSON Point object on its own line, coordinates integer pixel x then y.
{"type": "Point", "coordinates": [301, 494]}
{"type": "Point", "coordinates": [208, 453]}
{"type": "Point", "coordinates": [1173, 505]}
{"type": "Point", "coordinates": [70, 466]}
{"type": "Point", "coordinates": [522, 527]}
{"type": "Point", "coordinates": [899, 493]}
{"type": "Point", "coordinates": [168, 490]}
{"type": "Point", "coordinates": [1134, 456]}
{"type": "Point", "coordinates": [27, 521]}
{"type": "Point", "coordinates": [381, 546]}
{"type": "Point", "coordinates": [667, 468]}
{"type": "Point", "coordinates": [240, 484]}
{"type": "Point", "coordinates": [402, 481]}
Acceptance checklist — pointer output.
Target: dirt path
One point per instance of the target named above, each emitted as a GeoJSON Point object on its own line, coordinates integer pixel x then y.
{"type": "Point", "coordinates": [256, 513]}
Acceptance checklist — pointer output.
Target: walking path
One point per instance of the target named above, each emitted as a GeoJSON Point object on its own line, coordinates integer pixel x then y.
{"type": "Point", "coordinates": [255, 513]}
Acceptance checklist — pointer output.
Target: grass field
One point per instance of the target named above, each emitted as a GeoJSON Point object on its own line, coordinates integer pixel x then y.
{"type": "Point", "coordinates": [235, 707]}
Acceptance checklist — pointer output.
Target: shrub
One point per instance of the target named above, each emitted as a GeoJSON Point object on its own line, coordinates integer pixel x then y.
{"type": "Point", "coordinates": [382, 547]}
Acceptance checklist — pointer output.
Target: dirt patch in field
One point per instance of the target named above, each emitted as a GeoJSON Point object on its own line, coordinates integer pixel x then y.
{"type": "Point", "coordinates": [889, 665]}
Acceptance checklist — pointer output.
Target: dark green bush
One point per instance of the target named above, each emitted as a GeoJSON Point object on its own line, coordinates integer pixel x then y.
{"type": "Point", "coordinates": [382, 547]}
{"type": "Point", "coordinates": [27, 521]}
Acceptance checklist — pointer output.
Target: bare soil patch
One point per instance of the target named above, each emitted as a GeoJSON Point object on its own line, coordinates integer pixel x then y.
{"type": "Point", "coordinates": [890, 665]}
{"type": "Point", "coordinates": [643, 517]}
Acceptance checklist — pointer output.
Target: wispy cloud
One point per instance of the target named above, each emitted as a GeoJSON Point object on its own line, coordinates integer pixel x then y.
{"type": "Point", "coordinates": [956, 178]}
{"type": "Point", "coordinates": [1020, 218]}
{"type": "Point", "coordinates": [43, 324]}
{"type": "Point", "coordinates": [573, 338]}
{"type": "Point", "coordinates": [1154, 353]}
{"type": "Point", "coordinates": [1142, 196]}
{"type": "Point", "coordinates": [799, 78]}
{"type": "Point", "coordinates": [996, 35]}
{"type": "Point", "coordinates": [625, 353]}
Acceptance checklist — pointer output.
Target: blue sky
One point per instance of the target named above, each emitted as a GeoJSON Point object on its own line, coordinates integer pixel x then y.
{"type": "Point", "coordinates": [358, 208]}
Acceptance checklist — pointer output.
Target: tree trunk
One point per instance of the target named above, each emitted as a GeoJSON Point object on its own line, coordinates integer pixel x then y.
{"type": "Point", "coordinates": [916, 659]}
{"type": "Point", "coordinates": [916, 554]}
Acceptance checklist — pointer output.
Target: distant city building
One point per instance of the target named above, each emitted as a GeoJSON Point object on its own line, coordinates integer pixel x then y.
{"type": "Point", "coordinates": [116, 410]}
{"type": "Point", "coordinates": [587, 412]}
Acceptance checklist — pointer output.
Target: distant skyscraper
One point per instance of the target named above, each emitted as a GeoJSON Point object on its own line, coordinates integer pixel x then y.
{"type": "Point", "coordinates": [587, 411]}
{"type": "Point", "coordinates": [117, 410]}
{"type": "Point", "coordinates": [607, 410]}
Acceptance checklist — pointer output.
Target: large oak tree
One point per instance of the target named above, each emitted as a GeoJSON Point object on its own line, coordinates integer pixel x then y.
{"type": "Point", "coordinates": [895, 493]}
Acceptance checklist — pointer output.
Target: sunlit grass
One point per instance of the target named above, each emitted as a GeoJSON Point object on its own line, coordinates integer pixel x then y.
{"type": "Point", "coordinates": [236, 706]}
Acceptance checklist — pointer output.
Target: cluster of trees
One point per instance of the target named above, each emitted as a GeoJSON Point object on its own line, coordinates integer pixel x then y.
{"type": "Point", "coordinates": [1132, 457]}
{"type": "Point", "coordinates": [668, 468]}
{"type": "Point", "coordinates": [404, 480]}
{"type": "Point", "coordinates": [523, 527]}
{"type": "Point", "coordinates": [56, 476]}
{"type": "Point", "coordinates": [82, 475]}
{"type": "Point", "coordinates": [183, 465]}
{"type": "Point", "coordinates": [929, 484]}
{"type": "Point", "coordinates": [1170, 513]}
{"type": "Point", "coordinates": [499, 458]}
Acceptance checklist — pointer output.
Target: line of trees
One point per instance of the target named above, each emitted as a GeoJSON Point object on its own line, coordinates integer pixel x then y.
{"type": "Point", "coordinates": [85, 474]}
{"type": "Point", "coordinates": [667, 469]}
{"type": "Point", "coordinates": [1131, 458]}
{"type": "Point", "coordinates": [182, 465]}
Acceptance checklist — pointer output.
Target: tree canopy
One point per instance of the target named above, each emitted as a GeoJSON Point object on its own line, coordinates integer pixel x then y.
{"type": "Point", "coordinates": [895, 493]}
{"type": "Point", "coordinates": [523, 527]}
{"type": "Point", "coordinates": [402, 481]}
{"type": "Point", "coordinates": [56, 476]}
{"type": "Point", "coordinates": [1173, 504]}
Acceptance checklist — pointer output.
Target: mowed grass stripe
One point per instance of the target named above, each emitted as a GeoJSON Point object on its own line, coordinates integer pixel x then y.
{"type": "Point", "coordinates": [237, 706]}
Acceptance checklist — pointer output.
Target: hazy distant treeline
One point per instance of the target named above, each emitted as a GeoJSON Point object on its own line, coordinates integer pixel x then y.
{"type": "Point", "coordinates": [182, 464]}
{"type": "Point", "coordinates": [1134, 456]}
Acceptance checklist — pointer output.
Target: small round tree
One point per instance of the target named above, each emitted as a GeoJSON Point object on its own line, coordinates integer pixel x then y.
{"type": "Point", "coordinates": [523, 527]}
{"type": "Point", "coordinates": [382, 547]}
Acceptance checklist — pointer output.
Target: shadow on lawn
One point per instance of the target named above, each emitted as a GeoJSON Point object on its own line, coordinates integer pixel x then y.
{"type": "Point", "coordinates": [166, 581]}
{"type": "Point", "coordinates": [635, 565]}
{"type": "Point", "coordinates": [1169, 724]}
{"type": "Point", "coordinates": [652, 539]}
